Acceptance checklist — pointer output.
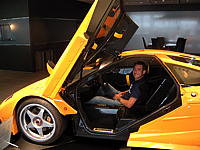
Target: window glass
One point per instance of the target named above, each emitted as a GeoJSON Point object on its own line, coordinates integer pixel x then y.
{"type": "Point", "coordinates": [108, 24]}
{"type": "Point", "coordinates": [104, 36]}
{"type": "Point", "coordinates": [186, 76]}
{"type": "Point", "coordinates": [87, 70]}
{"type": "Point", "coordinates": [189, 60]}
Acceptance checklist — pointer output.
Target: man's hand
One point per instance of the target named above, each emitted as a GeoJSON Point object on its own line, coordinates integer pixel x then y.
{"type": "Point", "coordinates": [118, 96]}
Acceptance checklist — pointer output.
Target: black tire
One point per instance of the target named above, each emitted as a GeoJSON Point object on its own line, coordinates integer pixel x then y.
{"type": "Point", "coordinates": [39, 121]}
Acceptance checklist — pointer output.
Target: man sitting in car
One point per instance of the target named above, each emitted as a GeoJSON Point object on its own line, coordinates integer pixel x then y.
{"type": "Point", "coordinates": [127, 98]}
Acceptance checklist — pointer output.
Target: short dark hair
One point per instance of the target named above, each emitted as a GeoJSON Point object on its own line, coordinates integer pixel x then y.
{"type": "Point", "coordinates": [144, 66]}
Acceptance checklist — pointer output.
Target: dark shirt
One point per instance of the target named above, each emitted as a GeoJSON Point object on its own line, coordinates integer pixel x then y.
{"type": "Point", "coordinates": [134, 90]}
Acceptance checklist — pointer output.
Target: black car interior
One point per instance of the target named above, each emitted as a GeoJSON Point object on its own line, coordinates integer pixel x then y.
{"type": "Point", "coordinates": [158, 89]}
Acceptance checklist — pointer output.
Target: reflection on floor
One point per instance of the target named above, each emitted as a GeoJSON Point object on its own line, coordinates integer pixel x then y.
{"type": "Point", "coordinates": [11, 81]}
{"type": "Point", "coordinates": [70, 142]}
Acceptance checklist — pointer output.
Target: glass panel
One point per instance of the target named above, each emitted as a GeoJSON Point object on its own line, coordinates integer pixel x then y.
{"type": "Point", "coordinates": [108, 24]}
{"type": "Point", "coordinates": [186, 76]}
{"type": "Point", "coordinates": [188, 60]}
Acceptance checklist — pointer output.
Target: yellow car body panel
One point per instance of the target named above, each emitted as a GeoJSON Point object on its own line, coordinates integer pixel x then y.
{"type": "Point", "coordinates": [63, 67]}
{"type": "Point", "coordinates": [178, 129]}
{"type": "Point", "coordinates": [156, 145]}
{"type": "Point", "coordinates": [7, 108]}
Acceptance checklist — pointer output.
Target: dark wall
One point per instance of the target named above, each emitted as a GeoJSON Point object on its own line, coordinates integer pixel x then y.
{"type": "Point", "coordinates": [49, 51]}
{"type": "Point", "coordinates": [54, 21]}
{"type": "Point", "coordinates": [38, 30]}
{"type": "Point", "coordinates": [47, 30]}
{"type": "Point", "coordinates": [82, 8]}
{"type": "Point", "coordinates": [15, 52]}
{"type": "Point", "coordinates": [16, 58]}
{"type": "Point", "coordinates": [52, 25]}
{"type": "Point", "coordinates": [68, 9]}
{"type": "Point", "coordinates": [53, 9]}
{"type": "Point", "coordinates": [13, 8]}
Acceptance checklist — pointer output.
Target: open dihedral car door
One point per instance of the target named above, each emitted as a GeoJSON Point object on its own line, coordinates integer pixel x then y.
{"type": "Point", "coordinates": [76, 47]}
{"type": "Point", "coordinates": [105, 31]}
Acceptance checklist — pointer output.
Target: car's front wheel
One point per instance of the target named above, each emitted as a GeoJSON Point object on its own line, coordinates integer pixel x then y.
{"type": "Point", "coordinates": [39, 121]}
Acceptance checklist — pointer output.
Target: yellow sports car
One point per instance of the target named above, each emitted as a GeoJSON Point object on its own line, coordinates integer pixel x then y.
{"type": "Point", "coordinates": [169, 118]}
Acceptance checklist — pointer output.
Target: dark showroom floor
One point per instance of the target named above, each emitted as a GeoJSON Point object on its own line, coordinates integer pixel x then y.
{"type": "Point", "coordinates": [11, 81]}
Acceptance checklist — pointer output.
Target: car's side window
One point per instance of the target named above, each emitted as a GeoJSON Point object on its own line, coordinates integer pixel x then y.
{"type": "Point", "coordinates": [186, 59]}
{"type": "Point", "coordinates": [125, 70]}
{"type": "Point", "coordinates": [186, 76]}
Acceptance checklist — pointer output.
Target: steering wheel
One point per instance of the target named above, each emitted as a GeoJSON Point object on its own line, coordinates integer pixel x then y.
{"type": "Point", "coordinates": [104, 85]}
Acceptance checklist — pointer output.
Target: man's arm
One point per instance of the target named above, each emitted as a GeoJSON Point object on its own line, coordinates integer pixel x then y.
{"type": "Point", "coordinates": [119, 95]}
{"type": "Point", "coordinates": [128, 103]}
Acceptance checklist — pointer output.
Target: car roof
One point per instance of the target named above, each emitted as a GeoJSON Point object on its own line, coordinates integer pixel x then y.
{"type": "Point", "coordinates": [166, 56]}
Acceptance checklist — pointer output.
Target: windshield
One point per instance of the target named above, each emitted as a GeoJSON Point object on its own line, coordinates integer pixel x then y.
{"type": "Point", "coordinates": [186, 76]}
{"type": "Point", "coordinates": [85, 72]}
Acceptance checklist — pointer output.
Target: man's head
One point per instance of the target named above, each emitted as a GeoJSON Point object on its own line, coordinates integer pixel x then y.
{"type": "Point", "coordinates": [139, 69]}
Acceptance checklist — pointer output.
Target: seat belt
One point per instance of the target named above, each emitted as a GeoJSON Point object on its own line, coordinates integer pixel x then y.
{"type": "Point", "coordinates": [128, 80]}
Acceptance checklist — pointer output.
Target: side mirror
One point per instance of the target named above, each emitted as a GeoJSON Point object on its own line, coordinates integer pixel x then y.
{"type": "Point", "coordinates": [50, 66]}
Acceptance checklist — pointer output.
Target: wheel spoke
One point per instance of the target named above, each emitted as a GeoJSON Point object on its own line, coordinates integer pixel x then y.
{"type": "Point", "coordinates": [39, 130]}
{"type": "Point", "coordinates": [31, 115]}
{"type": "Point", "coordinates": [30, 125]}
{"type": "Point", "coordinates": [40, 114]}
{"type": "Point", "coordinates": [47, 124]}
